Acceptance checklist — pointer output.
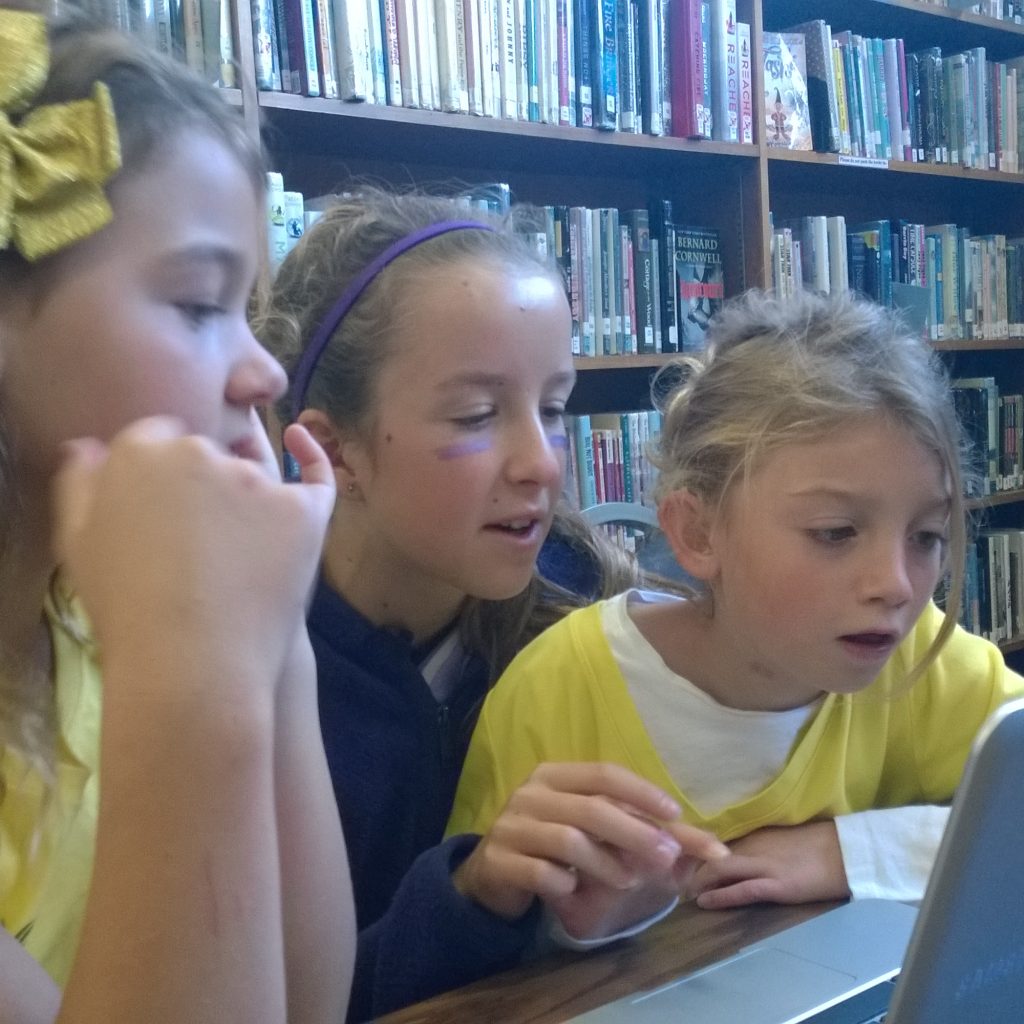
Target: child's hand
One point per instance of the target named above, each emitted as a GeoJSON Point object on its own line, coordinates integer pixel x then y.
{"type": "Point", "coordinates": [788, 864]}
{"type": "Point", "coordinates": [586, 839]}
{"type": "Point", "coordinates": [173, 543]}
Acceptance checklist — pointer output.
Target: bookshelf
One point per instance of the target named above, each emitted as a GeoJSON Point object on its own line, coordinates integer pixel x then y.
{"type": "Point", "coordinates": [320, 144]}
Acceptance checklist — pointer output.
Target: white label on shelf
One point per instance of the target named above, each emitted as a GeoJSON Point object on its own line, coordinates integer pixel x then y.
{"type": "Point", "coordinates": [864, 161]}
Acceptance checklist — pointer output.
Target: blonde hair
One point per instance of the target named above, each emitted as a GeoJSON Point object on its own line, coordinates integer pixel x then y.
{"type": "Point", "coordinates": [155, 99]}
{"type": "Point", "coordinates": [777, 372]}
{"type": "Point", "coordinates": [342, 242]}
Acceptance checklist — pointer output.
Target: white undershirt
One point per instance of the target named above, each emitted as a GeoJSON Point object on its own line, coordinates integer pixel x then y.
{"type": "Point", "coordinates": [719, 756]}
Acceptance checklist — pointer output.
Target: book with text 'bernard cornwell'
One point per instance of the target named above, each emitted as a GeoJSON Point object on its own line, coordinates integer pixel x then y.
{"type": "Point", "coordinates": [700, 283]}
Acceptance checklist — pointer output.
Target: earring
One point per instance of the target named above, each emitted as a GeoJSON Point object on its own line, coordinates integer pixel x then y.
{"type": "Point", "coordinates": [350, 487]}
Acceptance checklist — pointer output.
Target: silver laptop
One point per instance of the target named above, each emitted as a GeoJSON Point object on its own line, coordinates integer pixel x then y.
{"type": "Point", "coordinates": [962, 954]}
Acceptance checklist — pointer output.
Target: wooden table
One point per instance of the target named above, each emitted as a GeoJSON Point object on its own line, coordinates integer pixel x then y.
{"type": "Point", "coordinates": [564, 984]}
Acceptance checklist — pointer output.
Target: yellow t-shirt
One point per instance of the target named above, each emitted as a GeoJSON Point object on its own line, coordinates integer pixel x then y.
{"type": "Point", "coordinates": [46, 867]}
{"type": "Point", "coordinates": [564, 698]}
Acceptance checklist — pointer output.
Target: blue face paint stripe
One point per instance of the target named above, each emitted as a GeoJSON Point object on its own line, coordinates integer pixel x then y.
{"type": "Point", "coordinates": [456, 451]}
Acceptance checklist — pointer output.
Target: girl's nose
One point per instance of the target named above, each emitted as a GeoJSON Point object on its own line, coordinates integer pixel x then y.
{"type": "Point", "coordinates": [256, 378]}
{"type": "Point", "coordinates": [886, 575]}
{"type": "Point", "coordinates": [538, 455]}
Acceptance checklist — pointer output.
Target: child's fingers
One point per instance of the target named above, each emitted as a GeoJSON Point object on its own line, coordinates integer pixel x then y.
{"type": "Point", "coordinates": [264, 450]}
{"type": "Point", "coordinates": [313, 462]}
{"type": "Point", "coordinates": [555, 844]}
{"type": "Point", "coordinates": [695, 842]}
{"type": "Point", "coordinates": [584, 820]}
{"type": "Point", "coordinates": [72, 489]}
{"type": "Point", "coordinates": [611, 781]}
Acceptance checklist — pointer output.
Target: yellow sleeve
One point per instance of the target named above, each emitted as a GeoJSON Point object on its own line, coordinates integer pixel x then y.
{"type": "Point", "coordinates": [966, 683]}
{"type": "Point", "coordinates": [559, 700]}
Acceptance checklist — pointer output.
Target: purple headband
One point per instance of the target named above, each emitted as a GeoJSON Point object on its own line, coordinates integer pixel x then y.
{"type": "Point", "coordinates": [350, 296]}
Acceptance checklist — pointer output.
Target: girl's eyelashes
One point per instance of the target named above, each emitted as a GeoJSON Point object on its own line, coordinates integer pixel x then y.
{"type": "Point", "coordinates": [931, 540]}
{"type": "Point", "coordinates": [553, 413]}
{"type": "Point", "coordinates": [474, 421]}
{"type": "Point", "coordinates": [198, 313]}
{"type": "Point", "coordinates": [832, 534]}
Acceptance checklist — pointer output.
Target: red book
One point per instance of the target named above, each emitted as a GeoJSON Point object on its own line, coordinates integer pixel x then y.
{"type": "Point", "coordinates": [689, 27]}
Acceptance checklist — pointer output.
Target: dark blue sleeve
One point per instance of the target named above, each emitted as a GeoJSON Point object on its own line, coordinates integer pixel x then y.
{"type": "Point", "coordinates": [432, 939]}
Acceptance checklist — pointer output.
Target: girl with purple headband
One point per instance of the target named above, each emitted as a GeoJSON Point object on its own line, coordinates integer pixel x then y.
{"type": "Point", "coordinates": [429, 353]}
{"type": "Point", "coordinates": [152, 640]}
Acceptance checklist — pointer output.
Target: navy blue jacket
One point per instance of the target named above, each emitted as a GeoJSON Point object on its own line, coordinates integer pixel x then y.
{"type": "Point", "coordinates": [395, 757]}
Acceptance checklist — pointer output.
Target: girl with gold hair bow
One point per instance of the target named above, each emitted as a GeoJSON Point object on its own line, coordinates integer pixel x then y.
{"type": "Point", "coordinates": [130, 204]}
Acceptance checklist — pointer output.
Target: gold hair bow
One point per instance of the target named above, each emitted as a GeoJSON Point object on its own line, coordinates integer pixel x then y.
{"type": "Point", "coordinates": [55, 160]}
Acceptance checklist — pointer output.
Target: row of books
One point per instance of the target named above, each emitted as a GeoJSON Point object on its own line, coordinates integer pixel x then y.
{"type": "Point", "coordinates": [954, 284]}
{"type": "Point", "coordinates": [198, 32]}
{"type": "Point", "coordinates": [607, 457]}
{"type": "Point", "coordinates": [636, 281]}
{"type": "Point", "coordinates": [608, 64]}
{"type": "Point", "coordinates": [993, 599]}
{"type": "Point", "coordinates": [875, 99]}
{"type": "Point", "coordinates": [1001, 10]}
{"type": "Point", "coordinates": [994, 425]}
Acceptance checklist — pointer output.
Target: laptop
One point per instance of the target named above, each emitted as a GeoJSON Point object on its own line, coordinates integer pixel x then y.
{"type": "Point", "coordinates": [960, 958]}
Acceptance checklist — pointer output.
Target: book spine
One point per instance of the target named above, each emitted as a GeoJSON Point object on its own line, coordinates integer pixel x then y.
{"type": "Point", "coordinates": [906, 143]}
{"type": "Point", "coordinates": [532, 15]}
{"type": "Point", "coordinates": [687, 57]}
{"type": "Point", "coordinates": [626, 66]}
{"type": "Point", "coordinates": [468, 31]}
{"type": "Point", "coordinates": [582, 10]}
{"type": "Point", "coordinates": [746, 99]}
{"type": "Point", "coordinates": [302, 45]}
{"type": "Point", "coordinates": [566, 91]}
{"type": "Point", "coordinates": [724, 71]}
{"type": "Point", "coordinates": [408, 54]}
{"type": "Point", "coordinates": [192, 17]}
{"type": "Point", "coordinates": [277, 232]}
{"type": "Point", "coordinates": [375, 51]}
{"type": "Point", "coordinates": [490, 71]}
{"type": "Point", "coordinates": [588, 302]}
{"type": "Point", "coordinates": [264, 45]}
{"type": "Point", "coordinates": [663, 242]}
{"type": "Point", "coordinates": [350, 48]}
{"type": "Point", "coordinates": [392, 53]}
{"type": "Point", "coordinates": [324, 26]}
{"type": "Point", "coordinates": [651, 72]}
{"type": "Point", "coordinates": [453, 97]}
{"type": "Point", "coordinates": [604, 29]}
{"type": "Point", "coordinates": [640, 233]}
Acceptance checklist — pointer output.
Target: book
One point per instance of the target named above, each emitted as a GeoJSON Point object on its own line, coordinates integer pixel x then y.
{"type": "Point", "coordinates": [822, 97]}
{"type": "Point", "coordinates": [638, 222]}
{"type": "Point", "coordinates": [700, 283]}
{"type": "Point", "coordinates": [690, 82]}
{"type": "Point", "coordinates": [746, 84]}
{"type": "Point", "coordinates": [264, 45]}
{"type": "Point", "coordinates": [663, 251]}
{"type": "Point", "coordinates": [584, 51]}
{"type": "Point", "coordinates": [725, 93]}
{"type": "Point", "coordinates": [323, 28]}
{"type": "Point", "coordinates": [352, 50]}
{"type": "Point", "coordinates": [787, 117]}
{"type": "Point", "coordinates": [294, 219]}
{"type": "Point", "coordinates": [277, 231]}
{"type": "Point", "coordinates": [604, 39]}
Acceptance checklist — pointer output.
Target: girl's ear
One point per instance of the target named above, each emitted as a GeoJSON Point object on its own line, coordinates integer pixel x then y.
{"type": "Point", "coordinates": [339, 447]}
{"type": "Point", "coordinates": [686, 522]}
